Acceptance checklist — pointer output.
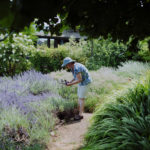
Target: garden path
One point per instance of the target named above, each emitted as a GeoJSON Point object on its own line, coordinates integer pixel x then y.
{"type": "Point", "coordinates": [70, 136]}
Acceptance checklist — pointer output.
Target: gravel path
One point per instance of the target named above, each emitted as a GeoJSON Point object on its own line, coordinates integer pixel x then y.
{"type": "Point", "coordinates": [70, 136]}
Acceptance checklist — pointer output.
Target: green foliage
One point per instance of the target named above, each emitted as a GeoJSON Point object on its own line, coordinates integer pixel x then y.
{"type": "Point", "coordinates": [12, 121]}
{"type": "Point", "coordinates": [76, 49]}
{"type": "Point", "coordinates": [138, 50]}
{"type": "Point", "coordinates": [42, 86]}
{"type": "Point", "coordinates": [144, 52]}
{"type": "Point", "coordinates": [105, 53]}
{"type": "Point", "coordinates": [93, 55]}
{"type": "Point", "coordinates": [43, 119]}
{"type": "Point", "coordinates": [7, 144]}
{"type": "Point", "coordinates": [14, 53]}
{"type": "Point", "coordinates": [48, 60]}
{"type": "Point", "coordinates": [31, 32]}
{"type": "Point", "coordinates": [125, 124]}
{"type": "Point", "coordinates": [93, 18]}
{"type": "Point", "coordinates": [90, 103]}
{"type": "Point", "coordinates": [35, 146]}
{"type": "Point", "coordinates": [68, 92]}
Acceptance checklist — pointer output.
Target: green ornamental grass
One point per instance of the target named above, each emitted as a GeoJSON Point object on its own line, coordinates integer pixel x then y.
{"type": "Point", "coordinates": [123, 125]}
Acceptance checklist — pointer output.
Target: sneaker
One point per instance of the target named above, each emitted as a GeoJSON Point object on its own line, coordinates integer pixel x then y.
{"type": "Point", "coordinates": [78, 117]}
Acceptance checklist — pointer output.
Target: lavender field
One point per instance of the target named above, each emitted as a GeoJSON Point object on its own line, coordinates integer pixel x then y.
{"type": "Point", "coordinates": [27, 103]}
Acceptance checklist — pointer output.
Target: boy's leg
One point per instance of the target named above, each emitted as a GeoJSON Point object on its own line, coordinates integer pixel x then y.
{"type": "Point", "coordinates": [82, 90]}
{"type": "Point", "coordinates": [81, 106]}
{"type": "Point", "coordinates": [79, 116]}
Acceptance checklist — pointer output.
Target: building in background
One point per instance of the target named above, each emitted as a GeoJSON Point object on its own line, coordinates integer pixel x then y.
{"type": "Point", "coordinates": [66, 35]}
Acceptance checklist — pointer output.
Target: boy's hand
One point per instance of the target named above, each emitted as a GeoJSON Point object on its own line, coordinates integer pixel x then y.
{"type": "Point", "coordinates": [68, 84]}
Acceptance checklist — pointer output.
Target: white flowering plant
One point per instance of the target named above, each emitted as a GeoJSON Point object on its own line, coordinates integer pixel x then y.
{"type": "Point", "coordinates": [14, 54]}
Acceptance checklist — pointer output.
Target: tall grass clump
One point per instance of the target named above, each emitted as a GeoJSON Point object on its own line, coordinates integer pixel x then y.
{"type": "Point", "coordinates": [133, 69]}
{"type": "Point", "coordinates": [29, 103]}
{"type": "Point", "coordinates": [123, 124]}
{"type": "Point", "coordinates": [105, 82]}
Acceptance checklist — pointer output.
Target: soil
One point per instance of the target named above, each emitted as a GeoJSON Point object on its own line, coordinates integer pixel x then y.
{"type": "Point", "coordinates": [70, 136]}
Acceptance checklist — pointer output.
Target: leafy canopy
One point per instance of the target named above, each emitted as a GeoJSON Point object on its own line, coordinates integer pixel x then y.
{"type": "Point", "coordinates": [93, 18]}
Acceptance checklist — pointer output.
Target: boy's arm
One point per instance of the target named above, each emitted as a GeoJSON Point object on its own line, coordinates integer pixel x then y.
{"type": "Point", "coordinates": [79, 79]}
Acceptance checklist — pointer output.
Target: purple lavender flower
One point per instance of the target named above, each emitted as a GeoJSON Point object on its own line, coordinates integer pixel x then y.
{"type": "Point", "coordinates": [30, 86]}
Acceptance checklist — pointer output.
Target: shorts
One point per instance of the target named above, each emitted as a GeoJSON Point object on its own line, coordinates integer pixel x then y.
{"type": "Point", "coordinates": [82, 91]}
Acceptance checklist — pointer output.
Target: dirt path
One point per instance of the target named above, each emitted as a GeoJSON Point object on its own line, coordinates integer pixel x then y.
{"type": "Point", "coordinates": [70, 136]}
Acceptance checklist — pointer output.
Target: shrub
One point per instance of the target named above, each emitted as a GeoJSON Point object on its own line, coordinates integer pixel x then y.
{"type": "Point", "coordinates": [14, 54]}
{"type": "Point", "coordinates": [105, 53]}
{"type": "Point", "coordinates": [48, 60]}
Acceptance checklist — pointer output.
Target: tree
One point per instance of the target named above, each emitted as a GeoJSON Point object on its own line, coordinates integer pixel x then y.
{"type": "Point", "coordinates": [120, 18]}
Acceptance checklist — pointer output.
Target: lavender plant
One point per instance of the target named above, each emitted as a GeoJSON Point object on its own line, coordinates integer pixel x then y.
{"type": "Point", "coordinates": [29, 100]}
{"type": "Point", "coordinates": [25, 88]}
